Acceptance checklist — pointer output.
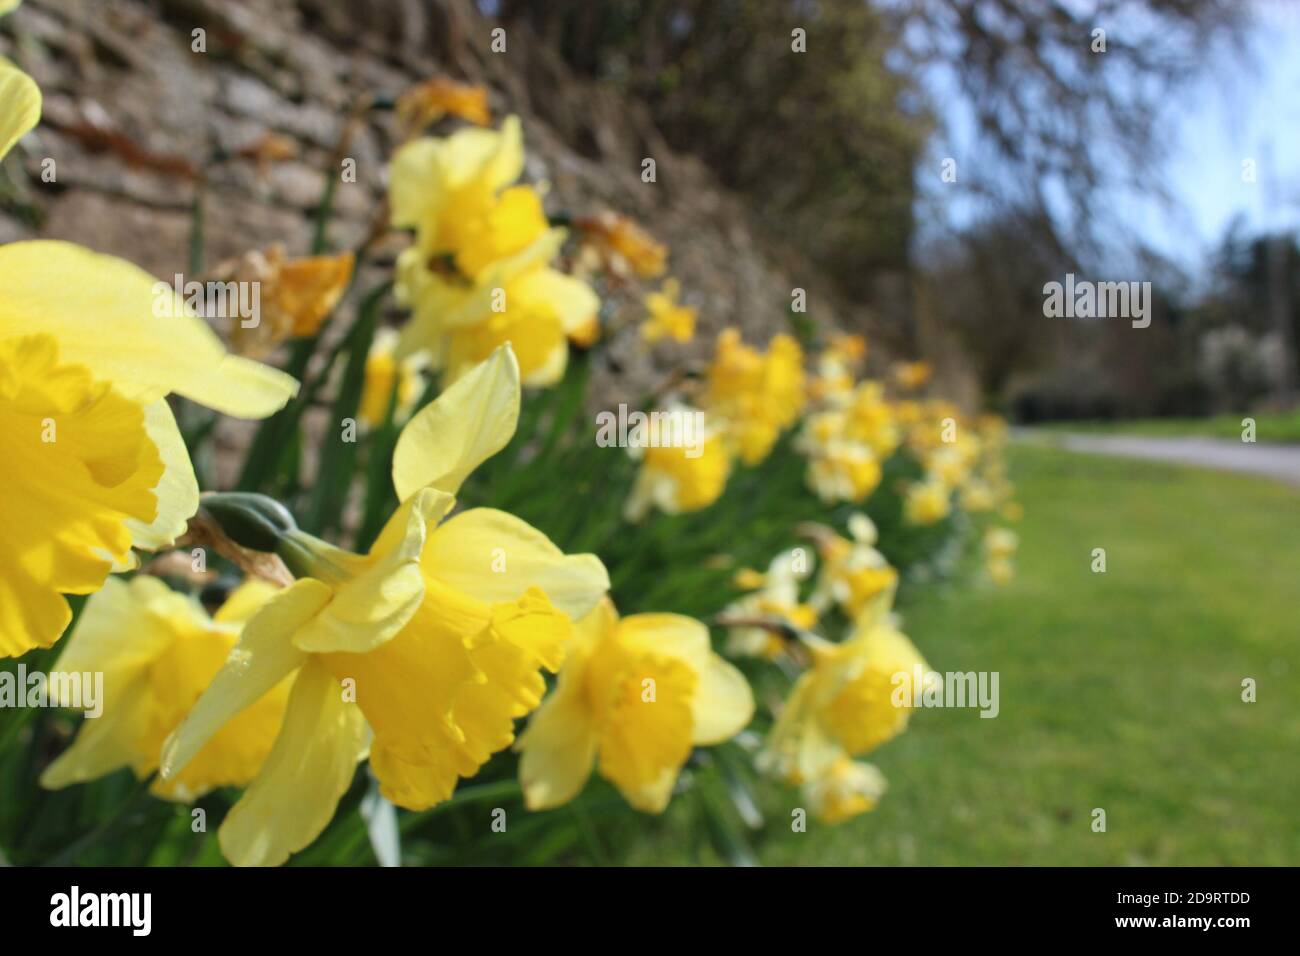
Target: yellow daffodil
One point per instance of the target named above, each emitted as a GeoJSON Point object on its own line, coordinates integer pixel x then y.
{"type": "Point", "coordinates": [516, 299]}
{"type": "Point", "coordinates": [295, 295]}
{"type": "Point", "coordinates": [837, 365]}
{"type": "Point", "coordinates": [848, 440]}
{"type": "Point", "coordinates": [437, 97]}
{"type": "Point", "coordinates": [97, 464]}
{"type": "Point", "coordinates": [386, 373]}
{"type": "Point", "coordinates": [847, 346]}
{"type": "Point", "coordinates": [853, 573]}
{"type": "Point", "coordinates": [927, 502]}
{"type": "Point", "coordinates": [912, 375]}
{"type": "Point", "coordinates": [676, 480]}
{"type": "Point", "coordinates": [844, 789]}
{"type": "Point", "coordinates": [668, 319]}
{"type": "Point", "coordinates": [1000, 546]}
{"type": "Point", "coordinates": [515, 221]}
{"type": "Point", "coordinates": [869, 418]}
{"type": "Point", "coordinates": [845, 702]}
{"type": "Point", "coordinates": [977, 496]}
{"type": "Point", "coordinates": [947, 466]}
{"type": "Point", "coordinates": [433, 642]}
{"type": "Point", "coordinates": [757, 394]}
{"type": "Point", "coordinates": [931, 425]}
{"type": "Point", "coordinates": [635, 695]}
{"type": "Point", "coordinates": [624, 245]}
{"type": "Point", "coordinates": [158, 649]}
{"type": "Point", "coordinates": [446, 187]}
{"type": "Point", "coordinates": [839, 468]}
{"type": "Point", "coordinates": [479, 274]}
{"type": "Point", "coordinates": [775, 598]}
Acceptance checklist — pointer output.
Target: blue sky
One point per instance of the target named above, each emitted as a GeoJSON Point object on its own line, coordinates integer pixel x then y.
{"type": "Point", "coordinates": [1228, 116]}
{"type": "Point", "coordinates": [1244, 106]}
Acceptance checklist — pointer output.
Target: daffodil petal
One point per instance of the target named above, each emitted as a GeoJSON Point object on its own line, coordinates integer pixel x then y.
{"type": "Point", "coordinates": [798, 747]}
{"type": "Point", "coordinates": [459, 307]}
{"type": "Point", "coordinates": [245, 601]}
{"type": "Point", "coordinates": [369, 609]}
{"type": "Point", "coordinates": [264, 656]}
{"type": "Point", "coordinates": [114, 638]}
{"type": "Point", "coordinates": [112, 635]}
{"type": "Point", "coordinates": [106, 320]}
{"type": "Point", "coordinates": [573, 300]}
{"type": "Point", "coordinates": [495, 158]}
{"type": "Point", "coordinates": [674, 635]}
{"type": "Point", "coordinates": [723, 704]}
{"type": "Point", "coordinates": [551, 370]}
{"type": "Point", "coordinates": [104, 743]}
{"type": "Point", "coordinates": [21, 99]}
{"type": "Point", "coordinates": [558, 748]}
{"type": "Point", "coordinates": [413, 168]}
{"type": "Point", "coordinates": [467, 424]}
{"type": "Point", "coordinates": [495, 557]}
{"type": "Point", "coordinates": [652, 797]}
{"type": "Point", "coordinates": [295, 794]}
{"type": "Point", "coordinates": [177, 491]}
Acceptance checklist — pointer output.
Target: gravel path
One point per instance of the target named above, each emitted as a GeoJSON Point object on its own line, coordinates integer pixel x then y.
{"type": "Point", "coordinates": [1281, 462]}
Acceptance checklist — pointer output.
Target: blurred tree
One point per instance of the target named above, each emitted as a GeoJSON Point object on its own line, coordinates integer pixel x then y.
{"type": "Point", "coordinates": [824, 142]}
{"type": "Point", "coordinates": [827, 143]}
{"type": "Point", "coordinates": [982, 292]}
{"type": "Point", "coordinates": [1255, 288]}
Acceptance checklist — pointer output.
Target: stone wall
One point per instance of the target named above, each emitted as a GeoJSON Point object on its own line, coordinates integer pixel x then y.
{"type": "Point", "coordinates": [135, 120]}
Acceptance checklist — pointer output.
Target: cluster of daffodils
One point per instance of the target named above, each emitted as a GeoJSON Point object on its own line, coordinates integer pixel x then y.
{"type": "Point", "coordinates": [481, 269]}
{"type": "Point", "coordinates": [963, 460]}
{"type": "Point", "coordinates": [419, 655]}
{"type": "Point", "coordinates": [853, 429]}
{"type": "Point", "coordinates": [848, 574]}
{"type": "Point", "coordinates": [746, 400]}
{"type": "Point", "coordinates": [423, 653]}
{"type": "Point", "coordinates": [858, 424]}
{"type": "Point", "coordinates": [847, 428]}
{"type": "Point", "coordinates": [416, 654]}
{"type": "Point", "coordinates": [846, 700]}
{"type": "Point", "coordinates": [853, 696]}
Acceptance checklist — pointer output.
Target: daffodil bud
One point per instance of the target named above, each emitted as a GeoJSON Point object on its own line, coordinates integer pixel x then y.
{"type": "Point", "coordinates": [250, 520]}
{"type": "Point", "coordinates": [307, 556]}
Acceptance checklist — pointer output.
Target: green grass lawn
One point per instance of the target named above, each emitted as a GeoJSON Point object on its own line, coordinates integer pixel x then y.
{"type": "Point", "coordinates": [1119, 690]}
{"type": "Point", "coordinates": [1283, 427]}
